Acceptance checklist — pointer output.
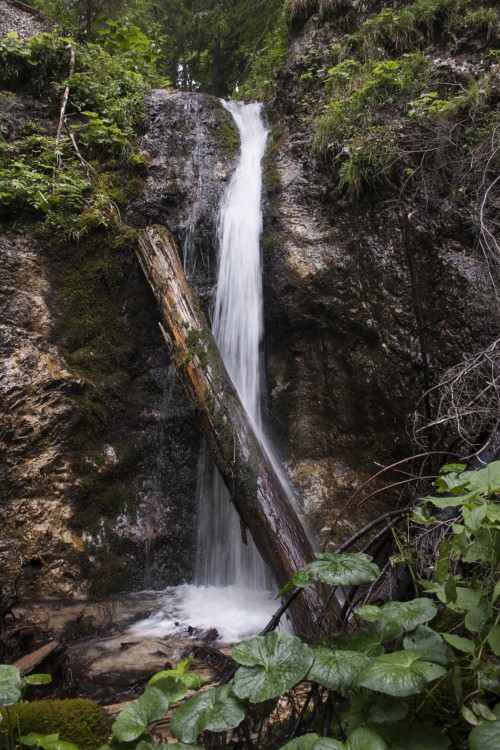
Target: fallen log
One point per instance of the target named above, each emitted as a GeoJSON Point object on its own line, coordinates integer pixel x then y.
{"type": "Point", "coordinates": [255, 489]}
{"type": "Point", "coordinates": [26, 664]}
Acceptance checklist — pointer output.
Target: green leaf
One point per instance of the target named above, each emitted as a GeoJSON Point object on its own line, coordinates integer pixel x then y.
{"type": "Point", "coordinates": [461, 644]}
{"type": "Point", "coordinates": [448, 468]}
{"type": "Point", "coordinates": [407, 614]}
{"type": "Point", "coordinates": [10, 685]}
{"type": "Point", "coordinates": [58, 745]}
{"type": "Point", "coordinates": [313, 742]}
{"type": "Point", "coordinates": [493, 639]}
{"type": "Point", "coordinates": [400, 673]}
{"type": "Point", "coordinates": [192, 681]}
{"type": "Point", "coordinates": [172, 688]}
{"type": "Point", "coordinates": [486, 736]}
{"type": "Point", "coordinates": [336, 670]}
{"type": "Point", "coordinates": [367, 640]}
{"type": "Point", "coordinates": [365, 739]}
{"type": "Point", "coordinates": [138, 715]}
{"type": "Point", "coordinates": [474, 517]}
{"type": "Point", "coordinates": [37, 679]}
{"type": "Point", "coordinates": [35, 738]}
{"type": "Point", "coordinates": [477, 618]}
{"type": "Point", "coordinates": [426, 641]}
{"type": "Point", "coordinates": [216, 710]}
{"type": "Point", "coordinates": [486, 481]}
{"type": "Point", "coordinates": [272, 663]}
{"type": "Point", "coordinates": [346, 569]}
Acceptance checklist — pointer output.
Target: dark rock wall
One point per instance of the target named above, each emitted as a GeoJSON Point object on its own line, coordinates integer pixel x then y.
{"type": "Point", "coordinates": [344, 357]}
{"type": "Point", "coordinates": [99, 447]}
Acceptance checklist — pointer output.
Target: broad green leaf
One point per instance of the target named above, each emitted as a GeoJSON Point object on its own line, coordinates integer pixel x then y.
{"type": "Point", "coordinates": [486, 546]}
{"type": "Point", "coordinates": [474, 517]}
{"type": "Point", "coordinates": [448, 502]}
{"type": "Point", "coordinates": [368, 640]}
{"type": "Point", "coordinates": [493, 512]}
{"type": "Point", "coordinates": [172, 688]}
{"type": "Point", "coordinates": [10, 685]}
{"type": "Point", "coordinates": [58, 745]}
{"type": "Point", "coordinates": [476, 619]}
{"type": "Point", "coordinates": [36, 738]}
{"type": "Point", "coordinates": [407, 614]}
{"type": "Point", "coordinates": [461, 644]}
{"type": "Point", "coordinates": [138, 715]}
{"type": "Point", "coordinates": [216, 710]}
{"type": "Point", "coordinates": [400, 673]}
{"type": "Point", "coordinates": [481, 709]}
{"type": "Point", "coordinates": [493, 639]}
{"type": "Point", "coordinates": [192, 681]}
{"type": "Point", "coordinates": [466, 598]}
{"type": "Point", "coordinates": [413, 736]}
{"type": "Point", "coordinates": [272, 663]}
{"type": "Point", "coordinates": [448, 468]}
{"type": "Point", "coordinates": [486, 481]}
{"type": "Point", "coordinates": [37, 679]}
{"type": "Point", "coordinates": [486, 736]}
{"type": "Point", "coordinates": [365, 739]}
{"type": "Point", "coordinates": [426, 641]}
{"type": "Point", "coordinates": [336, 670]}
{"type": "Point", "coordinates": [313, 742]}
{"type": "Point", "coordinates": [345, 569]}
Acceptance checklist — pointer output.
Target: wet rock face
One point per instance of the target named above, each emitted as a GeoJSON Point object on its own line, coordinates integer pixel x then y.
{"type": "Point", "coordinates": [99, 446]}
{"type": "Point", "coordinates": [191, 143]}
{"type": "Point", "coordinates": [342, 287]}
{"type": "Point", "coordinates": [37, 416]}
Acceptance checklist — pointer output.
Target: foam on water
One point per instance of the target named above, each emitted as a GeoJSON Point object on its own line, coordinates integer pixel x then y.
{"type": "Point", "coordinates": [235, 612]}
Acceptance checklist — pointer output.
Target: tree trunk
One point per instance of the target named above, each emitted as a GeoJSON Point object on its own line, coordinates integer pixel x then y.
{"type": "Point", "coordinates": [255, 489]}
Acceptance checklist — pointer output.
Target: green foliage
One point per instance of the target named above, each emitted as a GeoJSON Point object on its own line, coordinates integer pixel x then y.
{"type": "Point", "coordinates": [216, 710]}
{"type": "Point", "coordinates": [346, 569]}
{"type": "Point", "coordinates": [265, 63]}
{"type": "Point", "coordinates": [271, 665]}
{"type": "Point", "coordinates": [77, 721]}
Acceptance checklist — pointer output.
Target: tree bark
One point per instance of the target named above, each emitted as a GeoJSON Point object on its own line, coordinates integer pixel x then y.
{"type": "Point", "coordinates": [255, 489]}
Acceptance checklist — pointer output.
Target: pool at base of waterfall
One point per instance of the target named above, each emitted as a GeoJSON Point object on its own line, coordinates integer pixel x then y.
{"type": "Point", "coordinates": [234, 612]}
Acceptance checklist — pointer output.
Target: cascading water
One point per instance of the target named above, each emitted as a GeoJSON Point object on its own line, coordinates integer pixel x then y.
{"type": "Point", "coordinates": [223, 560]}
{"type": "Point", "coordinates": [231, 580]}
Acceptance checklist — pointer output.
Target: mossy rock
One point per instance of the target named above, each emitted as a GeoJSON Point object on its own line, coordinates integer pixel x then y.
{"type": "Point", "coordinates": [76, 720]}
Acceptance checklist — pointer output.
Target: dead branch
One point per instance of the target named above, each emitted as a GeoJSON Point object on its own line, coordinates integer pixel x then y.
{"type": "Point", "coordinates": [64, 101]}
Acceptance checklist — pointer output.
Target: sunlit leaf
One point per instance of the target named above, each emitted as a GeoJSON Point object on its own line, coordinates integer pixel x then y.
{"type": "Point", "coordinates": [336, 670]}
{"type": "Point", "coordinates": [216, 710]}
{"type": "Point", "coordinates": [272, 663]}
{"type": "Point", "coordinates": [400, 673]}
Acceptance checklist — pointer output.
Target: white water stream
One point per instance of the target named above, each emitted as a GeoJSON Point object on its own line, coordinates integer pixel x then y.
{"type": "Point", "coordinates": [232, 591]}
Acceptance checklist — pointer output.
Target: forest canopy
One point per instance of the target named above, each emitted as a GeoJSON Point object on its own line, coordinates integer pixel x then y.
{"type": "Point", "coordinates": [206, 45]}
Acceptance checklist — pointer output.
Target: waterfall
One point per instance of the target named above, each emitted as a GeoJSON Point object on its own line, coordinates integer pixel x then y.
{"type": "Point", "coordinates": [231, 591]}
{"type": "Point", "coordinates": [223, 559]}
